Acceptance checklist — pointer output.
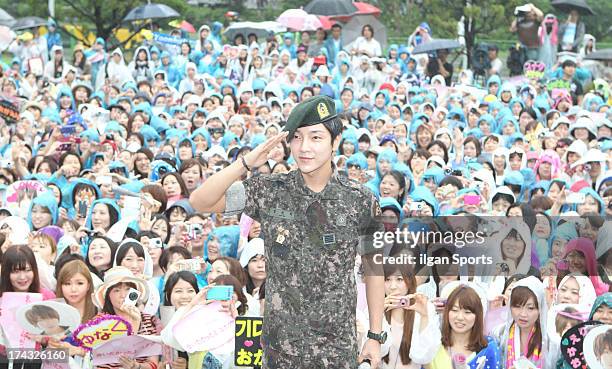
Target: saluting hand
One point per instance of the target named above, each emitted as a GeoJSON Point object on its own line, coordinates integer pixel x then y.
{"type": "Point", "coordinates": [260, 155]}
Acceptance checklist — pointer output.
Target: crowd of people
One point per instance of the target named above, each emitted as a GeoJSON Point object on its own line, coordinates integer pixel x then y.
{"type": "Point", "coordinates": [98, 168]}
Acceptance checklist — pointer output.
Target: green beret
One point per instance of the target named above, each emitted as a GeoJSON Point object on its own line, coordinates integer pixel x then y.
{"type": "Point", "coordinates": [314, 110]}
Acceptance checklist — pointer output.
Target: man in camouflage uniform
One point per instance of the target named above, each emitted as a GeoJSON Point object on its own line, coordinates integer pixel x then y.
{"type": "Point", "coordinates": [314, 222]}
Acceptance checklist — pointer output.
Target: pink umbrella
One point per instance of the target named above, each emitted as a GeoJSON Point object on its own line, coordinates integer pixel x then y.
{"type": "Point", "coordinates": [299, 20]}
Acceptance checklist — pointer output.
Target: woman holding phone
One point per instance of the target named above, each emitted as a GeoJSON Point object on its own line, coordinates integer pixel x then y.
{"type": "Point", "coordinates": [410, 322]}
{"type": "Point", "coordinates": [115, 297]}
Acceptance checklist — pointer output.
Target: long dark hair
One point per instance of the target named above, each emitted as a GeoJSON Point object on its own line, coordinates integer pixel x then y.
{"type": "Point", "coordinates": [519, 297]}
{"type": "Point", "coordinates": [18, 258]}
{"type": "Point", "coordinates": [410, 281]}
{"type": "Point", "coordinates": [123, 250]}
{"type": "Point", "coordinates": [173, 279]}
{"type": "Point", "coordinates": [466, 298]}
{"type": "Point", "coordinates": [108, 306]}
{"type": "Point", "coordinates": [180, 180]}
{"type": "Point", "coordinates": [113, 248]}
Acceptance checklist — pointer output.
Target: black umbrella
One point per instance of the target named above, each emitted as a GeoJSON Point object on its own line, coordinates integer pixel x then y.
{"type": "Point", "coordinates": [5, 18]}
{"type": "Point", "coordinates": [604, 54]}
{"type": "Point", "coordinates": [434, 45]}
{"type": "Point", "coordinates": [151, 11]}
{"type": "Point", "coordinates": [330, 7]}
{"type": "Point", "coordinates": [568, 5]}
{"type": "Point", "coordinates": [28, 22]}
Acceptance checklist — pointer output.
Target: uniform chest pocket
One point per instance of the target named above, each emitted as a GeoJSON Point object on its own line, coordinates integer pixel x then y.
{"type": "Point", "coordinates": [282, 237]}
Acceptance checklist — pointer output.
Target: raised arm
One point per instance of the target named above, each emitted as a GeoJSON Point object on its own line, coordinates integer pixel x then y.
{"type": "Point", "coordinates": [210, 196]}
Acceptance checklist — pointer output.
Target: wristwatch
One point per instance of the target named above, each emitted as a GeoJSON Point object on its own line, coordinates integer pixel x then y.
{"type": "Point", "coordinates": [381, 337]}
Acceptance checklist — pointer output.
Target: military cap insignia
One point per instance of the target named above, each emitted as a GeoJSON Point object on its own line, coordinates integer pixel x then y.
{"type": "Point", "coordinates": [322, 110]}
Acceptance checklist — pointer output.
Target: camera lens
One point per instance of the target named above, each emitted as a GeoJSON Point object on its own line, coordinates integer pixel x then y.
{"type": "Point", "coordinates": [133, 296]}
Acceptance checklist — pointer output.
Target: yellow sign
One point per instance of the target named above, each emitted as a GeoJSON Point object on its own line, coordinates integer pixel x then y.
{"type": "Point", "coordinates": [101, 330]}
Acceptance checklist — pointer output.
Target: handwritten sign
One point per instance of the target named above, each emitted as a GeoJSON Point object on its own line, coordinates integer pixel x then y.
{"type": "Point", "coordinates": [15, 335]}
{"type": "Point", "coordinates": [248, 351]}
{"type": "Point", "coordinates": [8, 111]}
{"type": "Point", "coordinates": [130, 346]}
{"type": "Point", "coordinates": [534, 69]}
{"type": "Point", "coordinates": [101, 330]}
{"type": "Point", "coordinates": [24, 190]}
{"type": "Point", "coordinates": [572, 344]}
{"type": "Point", "coordinates": [216, 333]}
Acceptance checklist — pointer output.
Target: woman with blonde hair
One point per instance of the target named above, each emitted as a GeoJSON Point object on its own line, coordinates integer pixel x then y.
{"type": "Point", "coordinates": [75, 285]}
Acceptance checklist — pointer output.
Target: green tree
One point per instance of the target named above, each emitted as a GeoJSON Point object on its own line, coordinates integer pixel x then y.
{"type": "Point", "coordinates": [105, 15]}
{"type": "Point", "coordinates": [479, 17]}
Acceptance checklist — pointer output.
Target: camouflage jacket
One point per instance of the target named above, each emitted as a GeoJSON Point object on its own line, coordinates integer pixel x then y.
{"type": "Point", "coordinates": [311, 242]}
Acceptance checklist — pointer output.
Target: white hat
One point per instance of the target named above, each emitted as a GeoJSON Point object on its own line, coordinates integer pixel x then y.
{"type": "Point", "coordinates": [559, 121]}
{"type": "Point", "coordinates": [114, 276]}
{"type": "Point", "coordinates": [578, 147]}
{"type": "Point", "coordinates": [27, 116]}
{"type": "Point", "coordinates": [215, 150]}
{"type": "Point", "coordinates": [55, 48]}
{"type": "Point", "coordinates": [523, 8]}
{"type": "Point", "coordinates": [584, 122]}
{"type": "Point", "coordinates": [604, 122]}
{"type": "Point", "coordinates": [593, 155]}
{"type": "Point", "coordinates": [435, 159]}
{"type": "Point", "coordinates": [441, 131]}
{"type": "Point", "coordinates": [236, 119]}
{"type": "Point", "coordinates": [253, 248]}
{"type": "Point", "coordinates": [322, 71]}
{"type": "Point", "coordinates": [192, 99]}
{"type": "Point", "coordinates": [289, 101]}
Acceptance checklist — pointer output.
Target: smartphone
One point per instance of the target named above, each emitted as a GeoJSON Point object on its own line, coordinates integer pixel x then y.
{"type": "Point", "coordinates": [575, 198]}
{"type": "Point", "coordinates": [132, 297]}
{"type": "Point", "coordinates": [471, 199]}
{"type": "Point", "coordinates": [68, 130]}
{"type": "Point", "coordinates": [82, 208]}
{"type": "Point", "coordinates": [220, 293]}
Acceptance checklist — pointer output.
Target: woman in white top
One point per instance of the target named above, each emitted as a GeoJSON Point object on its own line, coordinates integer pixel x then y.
{"type": "Point", "coordinates": [410, 322]}
{"type": "Point", "coordinates": [253, 261]}
{"type": "Point", "coordinates": [366, 44]}
{"type": "Point", "coordinates": [523, 336]}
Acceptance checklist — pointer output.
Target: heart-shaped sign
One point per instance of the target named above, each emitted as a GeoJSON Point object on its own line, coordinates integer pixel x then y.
{"type": "Point", "coordinates": [248, 343]}
{"type": "Point", "coordinates": [565, 342]}
{"type": "Point", "coordinates": [101, 330]}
